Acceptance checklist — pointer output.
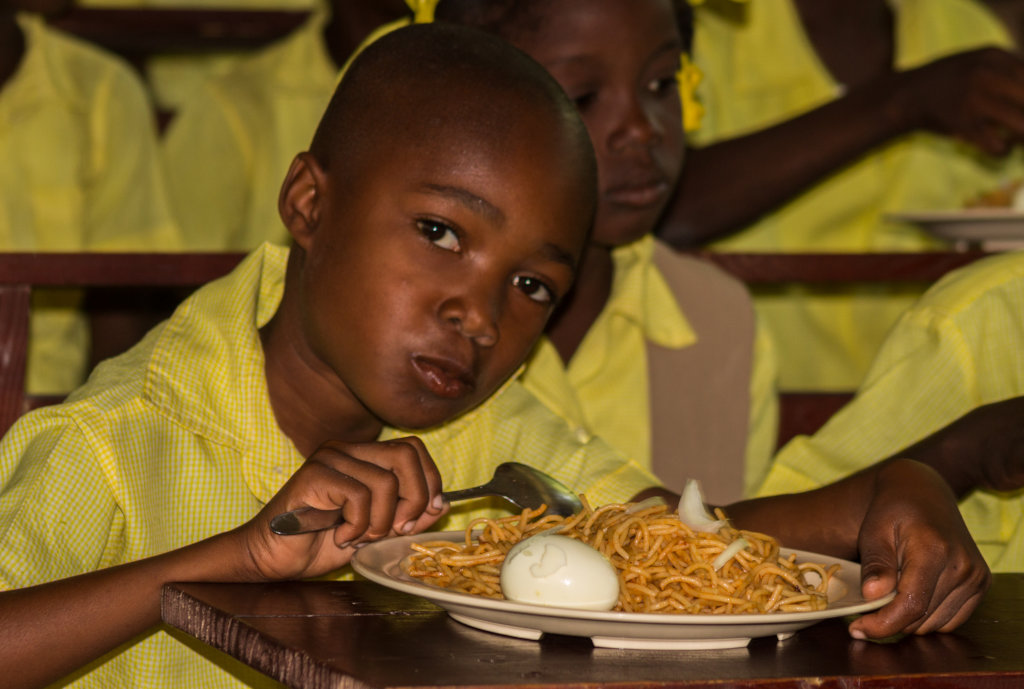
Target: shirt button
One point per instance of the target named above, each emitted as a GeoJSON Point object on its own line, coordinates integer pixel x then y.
{"type": "Point", "coordinates": [583, 435]}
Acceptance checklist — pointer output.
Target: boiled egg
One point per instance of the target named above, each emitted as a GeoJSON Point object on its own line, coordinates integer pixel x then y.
{"type": "Point", "coordinates": [549, 569]}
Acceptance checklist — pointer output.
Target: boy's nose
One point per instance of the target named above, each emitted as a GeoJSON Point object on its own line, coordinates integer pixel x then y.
{"type": "Point", "coordinates": [475, 315]}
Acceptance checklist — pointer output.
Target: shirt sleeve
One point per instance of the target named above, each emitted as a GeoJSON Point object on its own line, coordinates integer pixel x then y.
{"type": "Point", "coordinates": [958, 349]}
{"type": "Point", "coordinates": [58, 516]}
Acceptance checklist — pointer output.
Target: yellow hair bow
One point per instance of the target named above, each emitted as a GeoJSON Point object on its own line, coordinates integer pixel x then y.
{"type": "Point", "coordinates": [422, 10]}
{"type": "Point", "coordinates": [689, 77]}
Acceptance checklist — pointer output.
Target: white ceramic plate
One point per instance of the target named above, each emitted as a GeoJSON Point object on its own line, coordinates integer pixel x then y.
{"type": "Point", "coordinates": [380, 562]}
{"type": "Point", "coordinates": [992, 228]}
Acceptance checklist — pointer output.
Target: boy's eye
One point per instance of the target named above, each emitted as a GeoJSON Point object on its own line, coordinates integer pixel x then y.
{"type": "Point", "coordinates": [439, 234]}
{"type": "Point", "coordinates": [534, 289]}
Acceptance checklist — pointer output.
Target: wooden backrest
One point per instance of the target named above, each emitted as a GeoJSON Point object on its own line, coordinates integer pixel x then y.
{"type": "Point", "coordinates": [800, 412]}
{"type": "Point", "coordinates": [140, 32]}
{"type": "Point", "coordinates": [21, 273]}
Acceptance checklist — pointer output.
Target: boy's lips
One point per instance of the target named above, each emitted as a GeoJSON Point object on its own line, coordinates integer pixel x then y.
{"type": "Point", "coordinates": [444, 377]}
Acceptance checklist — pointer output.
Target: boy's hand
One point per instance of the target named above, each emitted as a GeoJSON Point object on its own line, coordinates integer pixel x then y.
{"type": "Point", "coordinates": [386, 488]}
{"type": "Point", "coordinates": [913, 540]}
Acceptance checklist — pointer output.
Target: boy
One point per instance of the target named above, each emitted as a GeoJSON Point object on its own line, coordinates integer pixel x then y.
{"type": "Point", "coordinates": [437, 220]}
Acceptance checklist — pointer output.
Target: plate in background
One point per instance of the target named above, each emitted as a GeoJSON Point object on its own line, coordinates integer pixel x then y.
{"type": "Point", "coordinates": [994, 229]}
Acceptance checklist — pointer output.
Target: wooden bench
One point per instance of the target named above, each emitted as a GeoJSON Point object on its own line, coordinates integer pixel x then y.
{"type": "Point", "coordinates": [135, 34]}
{"type": "Point", "coordinates": [800, 412]}
{"type": "Point", "coordinates": [21, 273]}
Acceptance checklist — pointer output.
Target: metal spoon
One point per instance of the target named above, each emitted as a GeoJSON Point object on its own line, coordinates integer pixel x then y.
{"type": "Point", "coordinates": [520, 484]}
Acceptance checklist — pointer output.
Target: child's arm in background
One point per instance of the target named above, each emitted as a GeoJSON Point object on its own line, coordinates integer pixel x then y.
{"type": "Point", "coordinates": [983, 449]}
{"type": "Point", "coordinates": [900, 520]}
{"type": "Point", "coordinates": [382, 488]}
{"type": "Point", "coordinates": [976, 96]}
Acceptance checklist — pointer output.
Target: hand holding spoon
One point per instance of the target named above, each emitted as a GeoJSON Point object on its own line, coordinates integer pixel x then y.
{"type": "Point", "coordinates": [520, 484]}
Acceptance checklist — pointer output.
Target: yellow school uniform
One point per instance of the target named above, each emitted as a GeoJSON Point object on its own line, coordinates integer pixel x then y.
{"type": "Point", "coordinates": [605, 387]}
{"type": "Point", "coordinates": [79, 171]}
{"type": "Point", "coordinates": [956, 349]}
{"type": "Point", "coordinates": [826, 339]}
{"type": "Point", "coordinates": [176, 440]}
{"type": "Point", "coordinates": [228, 149]}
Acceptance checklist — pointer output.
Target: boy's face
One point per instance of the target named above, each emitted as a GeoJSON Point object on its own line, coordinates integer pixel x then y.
{"type": "Point", "coordinates": [433, 272]}
{"type": "Point", "coordinates": [617, 59]}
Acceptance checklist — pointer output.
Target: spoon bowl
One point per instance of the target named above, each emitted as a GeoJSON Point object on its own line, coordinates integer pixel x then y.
{"type": "Point", "coordinates": [520, 484]}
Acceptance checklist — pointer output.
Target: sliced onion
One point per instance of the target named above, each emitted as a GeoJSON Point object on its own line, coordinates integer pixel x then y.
{"type": "Point", "coordinates": [727, 554]}
{"type": "Point", "coordinates": [644, 504]}
{"type": "Point", "coordinates": [692, 511]}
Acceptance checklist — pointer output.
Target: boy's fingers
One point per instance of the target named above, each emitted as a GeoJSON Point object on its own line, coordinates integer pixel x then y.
{"type": "Point", "coordinates": [936, 591]}
{"type": "Point", "coordinates": [421, 473]}
{"type": "Point", "coordinates": [378, 484]}
{"type": "Point", "coordinates": [402, 480]}
{"type": "Point", "coordinates": [325, 485]}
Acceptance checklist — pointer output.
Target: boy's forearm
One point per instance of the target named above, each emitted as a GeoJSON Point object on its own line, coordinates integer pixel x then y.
{"type": "Point", "coordinates": [983, 449]}
{"type": "Point", "coordinates": [73, 621]}
{"type": "Point", "coordinates": [826, 520]}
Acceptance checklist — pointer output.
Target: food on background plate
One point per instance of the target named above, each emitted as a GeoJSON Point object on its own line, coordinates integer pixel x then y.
{"type": "Point", "coordinates": [662, 564]}
{"type": "Point", "coordinates": [1009, 195]}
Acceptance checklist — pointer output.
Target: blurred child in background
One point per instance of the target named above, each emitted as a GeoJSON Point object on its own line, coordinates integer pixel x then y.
{"type": "Point", "coordinates": [79, 171]}
{"type": "Point", "coordinates": [820, 118]}
{"type": "Point", "coordinates": [656, 352]}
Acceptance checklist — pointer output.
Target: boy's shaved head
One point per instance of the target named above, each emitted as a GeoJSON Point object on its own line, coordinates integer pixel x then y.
{"type": "Point", "coordinates": [426, 81]}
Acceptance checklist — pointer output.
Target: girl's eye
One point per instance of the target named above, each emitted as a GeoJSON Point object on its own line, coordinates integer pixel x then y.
{"type": "Point", "coordinates": [584, 99]}
{"type": "Point", "coordinates": [440, 234]}
{"type": "Point", "coordinates": [663, 85]}
{"type": "Point", "coordinates": [534, 289]}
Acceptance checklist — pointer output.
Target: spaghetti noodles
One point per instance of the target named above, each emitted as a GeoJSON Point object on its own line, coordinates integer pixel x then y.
{"type": "Point", "coordinates": [663, 565]}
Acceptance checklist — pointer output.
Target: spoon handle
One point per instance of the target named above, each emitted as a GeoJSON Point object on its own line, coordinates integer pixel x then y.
{"type": "Point", "coordinates": [309, 519]}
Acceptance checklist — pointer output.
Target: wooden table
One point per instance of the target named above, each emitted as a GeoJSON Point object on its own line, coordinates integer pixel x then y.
{"type": "Point", "coordinates": [358, 634]}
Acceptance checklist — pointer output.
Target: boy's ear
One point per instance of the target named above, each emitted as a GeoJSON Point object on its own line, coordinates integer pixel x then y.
{"type": "Point", "coordinates": [301, 197]}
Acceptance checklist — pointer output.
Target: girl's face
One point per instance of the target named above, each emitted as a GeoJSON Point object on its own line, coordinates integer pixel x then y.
{"type": "Point", "coordinates": [617, 59]}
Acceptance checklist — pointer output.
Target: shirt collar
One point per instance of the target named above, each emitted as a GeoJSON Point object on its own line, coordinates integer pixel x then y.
{"type": "Point", "coordinates": [640, 294]}
{"type": "Point", "coordinates": [207, 369]}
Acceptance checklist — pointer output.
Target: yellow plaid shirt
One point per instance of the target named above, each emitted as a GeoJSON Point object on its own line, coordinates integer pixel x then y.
{"type": "Point", "coordinates": [176, 441]}
{"type": "Point", "coordinates": [604, 389]}
{"type": "Point", "coordinates": [961, 346]}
